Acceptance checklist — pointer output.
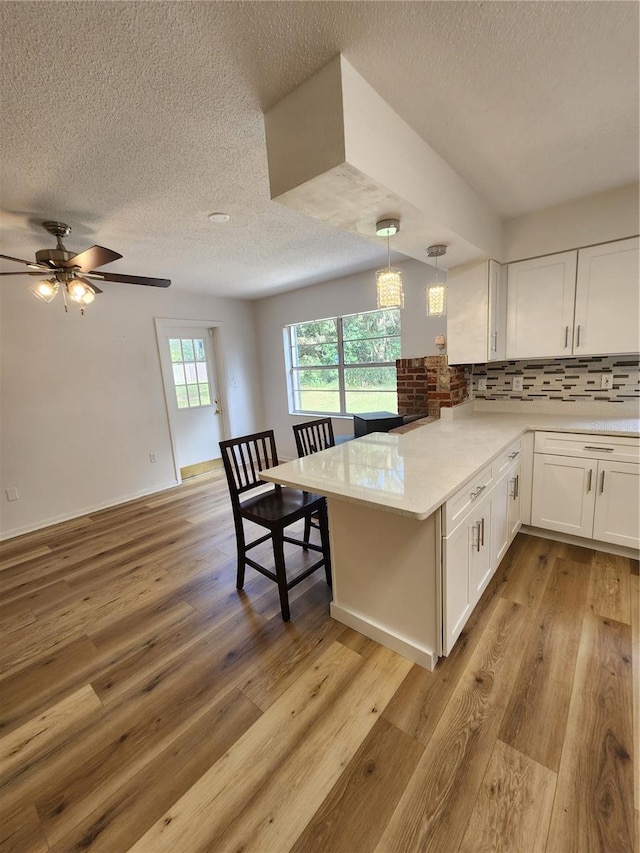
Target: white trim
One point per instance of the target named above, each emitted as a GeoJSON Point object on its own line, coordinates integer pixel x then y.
{"type": "Point", "coordinates": [407, 648]}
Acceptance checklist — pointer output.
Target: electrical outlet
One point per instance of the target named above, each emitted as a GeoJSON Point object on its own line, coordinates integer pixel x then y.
{"type": "Point", "coordinates": [153, 457]}
{"type": "Point", "coordinates": [12, 493]}
{"type": "Point", "coordinates": [482, 383]}
{"type": "Point", "coordinates": [606, 380]}
{"type": "Point", "coordinates": [517, 384]}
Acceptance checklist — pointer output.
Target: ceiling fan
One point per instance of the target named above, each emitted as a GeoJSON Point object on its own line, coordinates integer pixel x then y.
{"type": "Point", "coordinates": [75, 273]}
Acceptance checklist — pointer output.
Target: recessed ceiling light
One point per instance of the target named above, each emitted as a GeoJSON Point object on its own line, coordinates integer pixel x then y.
{"type": "Point", "coordinates": [219, 217]}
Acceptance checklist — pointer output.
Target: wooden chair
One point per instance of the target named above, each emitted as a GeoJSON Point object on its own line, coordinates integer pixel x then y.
{"type": "Point", "coordinates": [311, 437]}
{"type": "Point", "coordinates": [244, 459]}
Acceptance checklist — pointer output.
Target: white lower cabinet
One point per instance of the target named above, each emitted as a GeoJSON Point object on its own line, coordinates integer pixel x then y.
{"type": "Point", "coordinates": [617, 513]}
{"type": "Point", "coordinates": [588, 494]}
{"type": "Point", "coordinates": [477, 539]}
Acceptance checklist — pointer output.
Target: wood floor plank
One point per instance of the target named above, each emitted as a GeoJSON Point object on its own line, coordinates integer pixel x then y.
{"type": "Point", "coordinates": [593, 808]}
{"type": "Point", "coordinates": [609, 592]}
{"type": "Point", "coordinates": [356, 811]}
{"type": "Point", "coordinates": [281, 790]}
{"type": "Point", "coordinates": [635, 646]}
{"type": "Point", "coordinates": [24, 744]}
{"type": "Point", "coordinates": [513, 807]}
{"type": "Point", "coordinates": [528, 579]}
{"type": "Point", "coordinates": [418, 705]}
{"type": "Point", "coordinates": [31, 690]}
{"type": "Point", "coordinates": [20, 832]}
{"type": "Point", "coordinates": [123, 817]}
{"type": "Point", "coordinates": [536, 716]}
{"type": "Point", "coordinates": [433, 812]}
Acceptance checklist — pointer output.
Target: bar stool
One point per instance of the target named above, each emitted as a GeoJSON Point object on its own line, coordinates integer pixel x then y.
{"type": "Point", "coordinates": [244, 459]}
{"type": "Point", "coordinates": [311, 437]}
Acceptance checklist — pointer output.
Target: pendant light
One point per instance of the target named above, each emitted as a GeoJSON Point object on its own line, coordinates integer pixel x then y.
{"type": "Point", "coordinates": [436, 292]}
{"type": "Point", "coordinates": [389, 281]}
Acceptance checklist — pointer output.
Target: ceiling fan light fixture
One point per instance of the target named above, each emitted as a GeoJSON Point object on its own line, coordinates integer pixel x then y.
{"type": "Point", "coordinates": [80, 291]}
{"type": "Point", "coordinates": [45, 289]}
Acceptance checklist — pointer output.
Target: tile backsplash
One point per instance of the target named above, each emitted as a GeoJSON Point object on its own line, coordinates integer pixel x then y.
{"type": "Point", "coordinates": [567, 379]}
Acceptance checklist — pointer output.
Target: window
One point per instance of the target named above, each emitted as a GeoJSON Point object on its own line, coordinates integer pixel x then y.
{"type": "Point", "coordinates": [344, 365]}
{"type": "Point", "coordinates": [190, 377]}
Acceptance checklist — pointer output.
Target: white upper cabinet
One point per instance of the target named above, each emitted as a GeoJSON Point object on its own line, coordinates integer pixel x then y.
{"type": "Point", "coordinates": [476, 313]}
{"type": "Point", "coordinates": [607, 317]}
{"type": "Point", "coordinates": [584, 302]}
{"type": "Point", "coordinates": [540, 303]}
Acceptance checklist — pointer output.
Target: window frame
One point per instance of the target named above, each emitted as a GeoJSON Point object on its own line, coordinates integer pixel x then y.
{"type": "Point", "coordinates": [341, 366]}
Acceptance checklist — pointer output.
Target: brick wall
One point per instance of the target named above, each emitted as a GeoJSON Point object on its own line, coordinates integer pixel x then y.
{"type": "Point", "coordinates": [426, 384]}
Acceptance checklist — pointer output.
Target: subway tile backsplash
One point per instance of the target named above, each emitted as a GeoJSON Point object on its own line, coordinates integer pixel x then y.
{"type": "Point", "coordinates": [567, 379]}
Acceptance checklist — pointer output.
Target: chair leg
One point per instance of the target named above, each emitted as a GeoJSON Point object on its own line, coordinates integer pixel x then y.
{"type": "Point", "coordinates": [240, 543]}
{"type": "Point", "coordinates": [324, 539]}
{"type": "Point", "coordinates": [307, 532]}
{"type": "Point", "coordinates": [278, 556]}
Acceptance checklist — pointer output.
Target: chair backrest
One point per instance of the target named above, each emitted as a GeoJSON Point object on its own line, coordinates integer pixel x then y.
{"type": "Point", "coordinates": [313, 436]}
{"type": "Point", "coordinates": [245, 458]}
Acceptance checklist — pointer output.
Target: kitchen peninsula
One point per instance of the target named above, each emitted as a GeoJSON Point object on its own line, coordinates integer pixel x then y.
{"type": "Point", "coordinates": [398, 504]}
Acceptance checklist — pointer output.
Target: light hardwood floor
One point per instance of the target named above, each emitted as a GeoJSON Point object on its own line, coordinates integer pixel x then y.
{"type": "Point", "coordinates": [147, 706]}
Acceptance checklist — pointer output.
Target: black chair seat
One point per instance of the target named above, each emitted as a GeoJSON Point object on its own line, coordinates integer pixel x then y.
{"type": "Point", "coordinates": [275, 506]}
{"type": "Point", "coordinates": [244, 459]}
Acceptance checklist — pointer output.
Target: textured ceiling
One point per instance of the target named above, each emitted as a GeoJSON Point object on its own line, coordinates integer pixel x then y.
{"type": "Point", "coordinates": [133, 121]}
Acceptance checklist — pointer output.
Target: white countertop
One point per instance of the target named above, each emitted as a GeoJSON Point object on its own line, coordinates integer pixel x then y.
{"type": "Point", "coordinates": [415, 473]}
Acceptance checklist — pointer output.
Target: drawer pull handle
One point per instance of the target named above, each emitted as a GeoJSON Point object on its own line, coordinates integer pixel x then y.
{"type": "Point", "coordinates": [602, 483]}
{"type": "Point", "coordinates": [589, 480]}
{"type": "Point", "coordinates": [514, 454]}
{"type": "Point", "coordinates": [476, 492]}
{"type": "Point", "coordinates": [603, 449]}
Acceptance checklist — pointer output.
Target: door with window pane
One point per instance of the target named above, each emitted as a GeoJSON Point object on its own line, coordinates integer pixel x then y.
{"type": "Point", "coordinates": [191, 389]}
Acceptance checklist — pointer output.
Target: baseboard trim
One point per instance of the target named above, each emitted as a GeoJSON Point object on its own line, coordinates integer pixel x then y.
{"type": "Point", "coordinates": [70, 516]}
{"type": "Point", "coordinates": [418, 654]}
{"type": "Point", "coordinates": [200, 468]}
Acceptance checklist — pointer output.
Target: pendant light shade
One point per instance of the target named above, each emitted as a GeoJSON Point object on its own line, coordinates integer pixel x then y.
{"type": "Point", "coordinates": [389, 281]}
{"type": "Point", "coordinates": [436, 292]}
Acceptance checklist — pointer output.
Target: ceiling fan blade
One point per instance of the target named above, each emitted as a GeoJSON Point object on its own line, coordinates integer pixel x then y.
{"type": "Point", "coordinates": [31, 264]}
{"type": "Point", "coordinates": [24, 272]}
{"type": "Point", "coordinates": [130, 279]}
{"type": "Point", "coordinates": [95, 256]}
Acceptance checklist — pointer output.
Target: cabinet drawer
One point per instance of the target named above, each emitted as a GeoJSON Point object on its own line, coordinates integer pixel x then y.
{"type": "Point", "coordinates": [617, 448]}
{"type": "Point", "coordinates": [504, 460]}
{"type": "Point", "coordinates": [466, 497]}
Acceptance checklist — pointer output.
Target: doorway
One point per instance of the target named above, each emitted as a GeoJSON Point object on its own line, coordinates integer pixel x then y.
{"type": "Point", "coordinates": [191, 376]}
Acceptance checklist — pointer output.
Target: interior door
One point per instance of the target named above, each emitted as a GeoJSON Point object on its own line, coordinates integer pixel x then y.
{"type": "Point", "coordinates": [187, 356]}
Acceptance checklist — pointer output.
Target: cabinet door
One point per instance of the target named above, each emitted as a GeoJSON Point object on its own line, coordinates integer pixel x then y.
{"type": "Point", "coordinates": [617, 512]}
{"type": "Point", "coordinates": [513, 513]}
{"type": "Point", "coordinates": [563, 496]}
{"type": "Point", "coordinates": [456, 589]}
{"type": "Point", "coordinates": [480, 564]}
{"type": "Point", "coordinates": [607, 299]}
{"type": "Point", "coordinates": [540, 302]}
{"type": "Point", "coordinates": [497, 340]}
{"type": "Point", "coordinates": [467, 314]}
{"type": "Point", "coordinates": [500, 499]}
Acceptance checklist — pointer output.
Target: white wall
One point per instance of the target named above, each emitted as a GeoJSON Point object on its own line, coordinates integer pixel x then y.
{"type": "Point", "coordinates": [598, 218]}
{"type": "Point", "coordinates": [341, 296]}
{"type": "Point", "coordinates": [83, 401]}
